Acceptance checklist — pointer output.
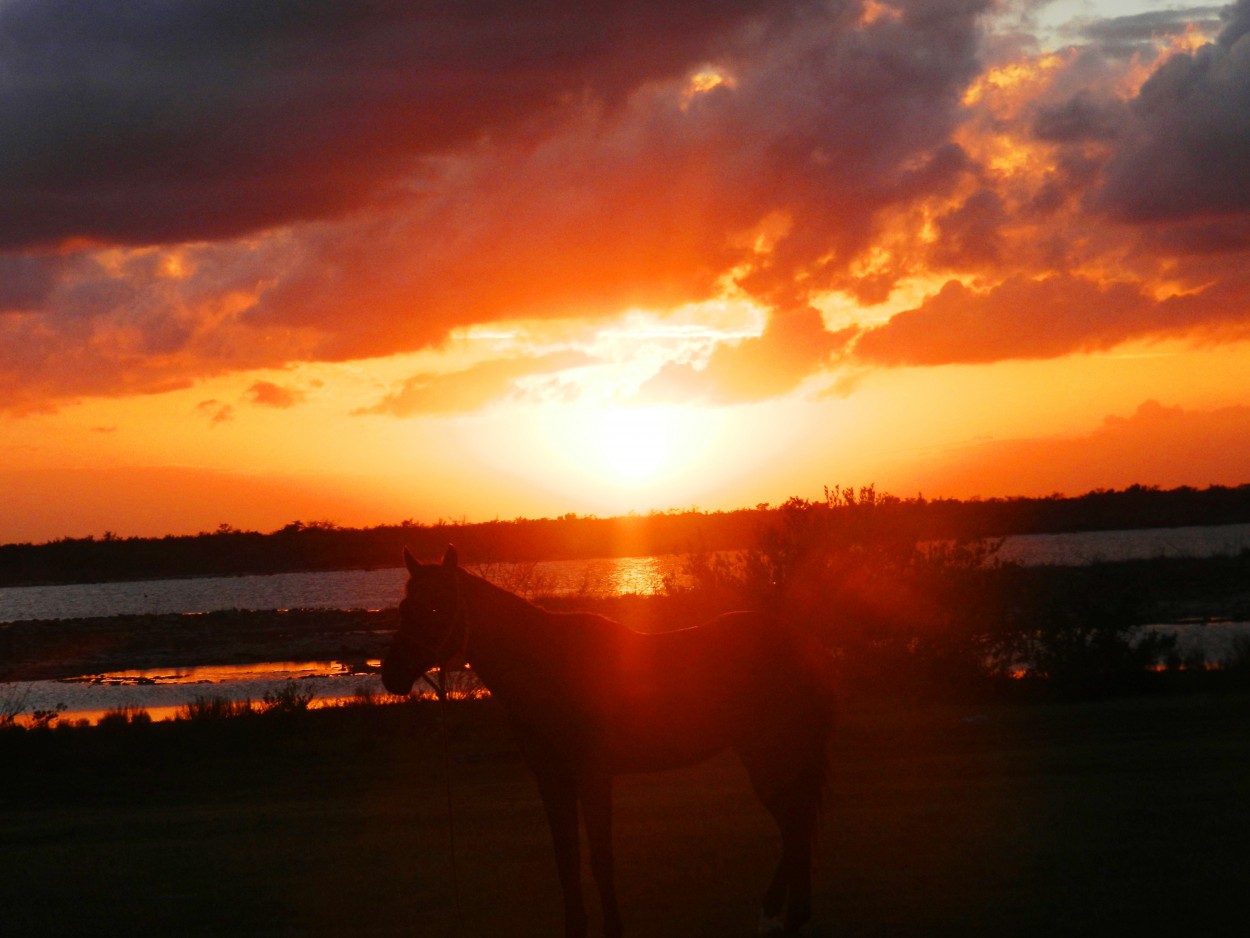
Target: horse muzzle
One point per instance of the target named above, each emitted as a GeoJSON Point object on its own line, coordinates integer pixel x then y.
{"type": "Point", "coordinates": [396, 686]}
{"type": "Point", "coordinates": [396, 678]}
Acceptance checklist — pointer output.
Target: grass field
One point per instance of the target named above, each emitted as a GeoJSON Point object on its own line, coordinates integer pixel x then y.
{"type": "Point", "coordinates": [1126, 817]}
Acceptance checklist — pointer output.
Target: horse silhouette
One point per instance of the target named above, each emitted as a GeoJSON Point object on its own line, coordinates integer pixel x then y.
{"type": "Point", "coordinates": [589, 698]}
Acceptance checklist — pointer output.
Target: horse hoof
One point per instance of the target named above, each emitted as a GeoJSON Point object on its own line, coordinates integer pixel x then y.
{"type": "Point", "coordinates": [776, 925]}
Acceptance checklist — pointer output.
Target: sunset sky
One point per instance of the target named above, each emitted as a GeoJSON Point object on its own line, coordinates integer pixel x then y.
{"type": "Point", "coordinates": [366, 261]}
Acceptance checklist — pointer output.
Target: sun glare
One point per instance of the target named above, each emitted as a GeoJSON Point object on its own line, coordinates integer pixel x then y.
{"type": "Point", "coordinates": [635, 444]}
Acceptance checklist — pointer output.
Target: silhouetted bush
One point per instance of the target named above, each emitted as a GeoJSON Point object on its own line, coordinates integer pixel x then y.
{"type": "Point", "coordinates": [13, 699]}
{"type": "Point", "coordinates": [124, 716]}
{"type": "Point", "coordinates": [897, 610]}
{"type": "Point", "coordinates": [287, 699]}
{"type": "Point", "coordinates": [213, 708]}
{"type": "Point", "coordinates": [904, 613]}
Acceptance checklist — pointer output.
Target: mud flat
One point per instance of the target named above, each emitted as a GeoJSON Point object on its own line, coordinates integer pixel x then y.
{"type": "Point", "coordinates": [52, 650]}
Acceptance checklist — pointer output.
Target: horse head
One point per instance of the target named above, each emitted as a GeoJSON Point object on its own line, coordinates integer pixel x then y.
{"type": "Point", "coordinates": [432, 629]}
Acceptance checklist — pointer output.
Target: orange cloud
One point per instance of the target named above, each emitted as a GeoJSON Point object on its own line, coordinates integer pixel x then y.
{"type": "Point", "coordinates": [268, 394]}
{"type": "Point", "coordinates": [213, 209]}
{"type": "Point", "coordinates": [215, 411]}
{"type": "Point", "coordinates": [470, 388]}
{"type": "Point", "coordinates": [1169, 446]}
{"type": "Point", "coordinates": [1025, 318]}
{"type": "Point", "coordinates": [794, 344]}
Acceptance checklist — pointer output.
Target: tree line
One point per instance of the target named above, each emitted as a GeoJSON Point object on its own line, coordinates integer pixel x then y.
{"type": "Point", "coordinates": [323, 545]}
{"type": "Point", "coordinates": [903, 615]}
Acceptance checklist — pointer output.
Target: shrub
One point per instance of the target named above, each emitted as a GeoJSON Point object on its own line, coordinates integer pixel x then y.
{"type": "Point", "coordinates": [12, 703]}
{"type": "Point", "coordinates": [125, 716]}
{"type": "Point", "coordinates": [46, 719]}
{"type": "Point", "coordinates": [214, 708]}
{"type": "Point", "coordinates": [899, 612]}
{"type": "Point", "coordinates": [1077, 627]}
{"type": "Point", "coordinates": [287, 699]}
{"type": "Point", "coordinates": [904, 613]}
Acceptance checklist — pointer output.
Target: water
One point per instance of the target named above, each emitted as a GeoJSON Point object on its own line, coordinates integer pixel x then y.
{"type": "Point", "coordinates": [164, 691]}
{"type": "Point", "coordinates": [1093, 546]}
{"type": "Point", "coordinates": [335, 589]}
{"type": "Point", "coordinates": [382, 589]}
{"type": "Point", "coordinates": [347, 589]}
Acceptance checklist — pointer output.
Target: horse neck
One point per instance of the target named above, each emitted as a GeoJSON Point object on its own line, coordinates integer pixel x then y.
{"type": "Point", "coordinates": [501, 629]}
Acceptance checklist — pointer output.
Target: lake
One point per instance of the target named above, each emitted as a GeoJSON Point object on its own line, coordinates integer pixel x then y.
{"type": "Point", "coordinates": [382, 589]}
{"type": "Point", "coordinates": [163, 691]}
{"type": "Point", "coordinates": [334, 589]}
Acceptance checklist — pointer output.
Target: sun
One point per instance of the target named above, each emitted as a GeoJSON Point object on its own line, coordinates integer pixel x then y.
{"type": "Point", "coordinates": [613, 458]}
{"type": "Point", "coordinates": [635, 444]}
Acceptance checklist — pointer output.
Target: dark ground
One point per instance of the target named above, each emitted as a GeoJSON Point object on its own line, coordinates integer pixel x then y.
{"type": "Point", "coordinates": [1127, 817]}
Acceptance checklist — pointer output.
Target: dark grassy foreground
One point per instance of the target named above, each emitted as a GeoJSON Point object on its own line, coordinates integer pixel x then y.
{"type": "Point", "coordinates": [1127, 817]}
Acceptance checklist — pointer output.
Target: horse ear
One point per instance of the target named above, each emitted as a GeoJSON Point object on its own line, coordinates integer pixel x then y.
{"type": "Point", "coordinates": [451, 558]}
{"type": "Point", "coordinates": [410, 561]}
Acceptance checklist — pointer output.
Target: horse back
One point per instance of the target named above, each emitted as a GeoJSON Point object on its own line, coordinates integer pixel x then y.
{"type": "Point", "coordinates": [739, 680]}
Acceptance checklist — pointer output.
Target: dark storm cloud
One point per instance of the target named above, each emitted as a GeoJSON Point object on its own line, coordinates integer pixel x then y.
{"type": "Point", "coordinates": [433, 166]}
{"type": "Point", "coordinates": [1082, 117]}
{"type": "Point", "coordinates": [823, 123]}
{"type": "Point", "coordinates": [1126, 35]}
{"type": "Point", "coordinates": [1165, 166]}
{"type": "Point", "coordinates": [26, 282]}
{"type": "Point", "coordinates": [499, 160]}
{"type": "Point", "coordinates": [147, 121]}
{"type": "Point", "coordinates": [1185, 149]}
{"type": "Point", "coordinates": [969, 235]}
{"type": "Point", "coordinates": [843, 123]}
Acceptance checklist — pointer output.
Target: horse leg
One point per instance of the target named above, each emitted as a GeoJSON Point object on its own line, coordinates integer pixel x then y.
{"type": "Point", "coordinates": [793, 799]}
{"type": "Point", "coordinates": [596, 797]}
{"type": "Point", "coordinates": [796, 839]}
{"type": "Point", "coordinates": [559, 794]}
{"type": "Point", "coordinates": [787, 903]}
{"type": "Point", "coordinates": [774, 901]}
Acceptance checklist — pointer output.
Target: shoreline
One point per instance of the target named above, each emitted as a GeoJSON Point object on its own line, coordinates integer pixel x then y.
{"type": "Point", "coordinates": [53, 650]}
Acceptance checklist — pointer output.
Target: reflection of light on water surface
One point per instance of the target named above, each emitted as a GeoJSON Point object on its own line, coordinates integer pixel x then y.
{"type": "Point", "coordinates": [216, 673]}
{"type": "Point", "coordinates": [329, 589]}
{"type": "Point", "coordinates": [381, 589]}
{"type": "Point", "coordinates": [620, 576]}
{"type": "Point", "coordinates": [163, 692]}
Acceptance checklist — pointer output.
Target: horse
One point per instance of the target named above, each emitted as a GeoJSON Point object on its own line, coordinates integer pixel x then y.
{"type": "Point", "coordinates": [589, 699]}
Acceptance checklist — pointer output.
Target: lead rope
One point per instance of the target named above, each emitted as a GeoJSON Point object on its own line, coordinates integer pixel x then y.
{"type": "Point", "coordinates": [440, 690]}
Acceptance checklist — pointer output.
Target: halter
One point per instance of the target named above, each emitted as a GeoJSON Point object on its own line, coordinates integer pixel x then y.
{"type": "Point", "coordinates": [455, 643]}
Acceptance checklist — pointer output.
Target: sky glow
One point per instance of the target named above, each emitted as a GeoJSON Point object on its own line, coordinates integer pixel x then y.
{"type": "Point", "coordinates": [377, 261]}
